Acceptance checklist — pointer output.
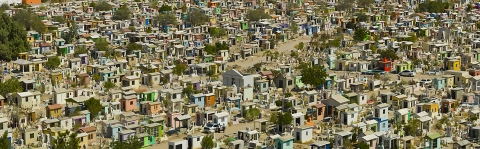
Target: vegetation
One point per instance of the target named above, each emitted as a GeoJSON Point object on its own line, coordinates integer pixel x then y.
{"type": "Point", "coordinates": [66, 140]}
{"type": "Point", "coordinates": [196, 18]}
{"type": "Point", "coordinates": [217, 32]}
{"type": "Point", "coordinates": [189, 90]}
{"type": "Point", "coordinates": [101, 44]}
{"type": "Point", "coordinates": [179, 68]}
{"type": "Point", "coordinates": [432, 7]}
{"type": "Point", "coordinates": [52, 63]}
{"type": "Point", "coordinates": [294, 27]}
{"type": "Point", "coordinates": [29, 20]}
{"type": "Point", "coordinates": [132, 46]}
{"type": "Point", "coordinates": [361, 17]}
{"type": "Point", "coordinates": [252, 114]}
{"type": "Point", "coordinates": [389, 54]}
{"type": "Point", "coordinates": [345, 5]}
{"type": "Point", "coordinates": [102, 6]}
{"type": "Point", "coordinates": [165, 19]}
{"type": "Point", "coordinates": [314, 75]}
{"type": "Point", "coordinates": [80, 50]}
{"type": "Point", "coordinates": [284, 119]}
{"type": "Point", "coordinates": [13, 39]}
{"type": "Point", "coordinates": [93, 106]}
{"type": "Point", "coordinates": [300, 46]}
{"type": "Point", "coordinates": [257, 15]}
{"type": "Point", "coordinates": [360, 34]}
{"type": "Point", "coordinates": [207, 142]}
{"type": "Point", "coordinates": [72, 34]}
{"type": "Point", "coordinates": [365, 3]}
{"type": "Point", "coordinates": [214, 49]}
{"type": "Point", "coordinates": [132, 142]}
{"type": "Point", "coordinates": [109, 85]}
{"type": "Point", "coordinates": [96, 77]}
{"type": "Point", "coordinates": [412, 127]}
{"type": "Point", "coordinates": [165, 8]}
{"type": "Point", "coordinates": [4, 7]}
{"type": "Point", "coordinates": [59, 19]}
{"type": "Point", "coordinates": [122, 13]}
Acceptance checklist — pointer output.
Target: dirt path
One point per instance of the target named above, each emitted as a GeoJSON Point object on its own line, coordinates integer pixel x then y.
{"type": "Point", "coordinates": [284, 47]}
{"type": "Point", "coordinates": [230, 130]}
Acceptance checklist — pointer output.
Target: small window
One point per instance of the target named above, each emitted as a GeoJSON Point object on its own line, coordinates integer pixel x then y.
{"type": "Point", "coordinates": [384, 111]}
{"type": "Point", "coordinates": [198, 139]}
{"type": "Point", "coordinates": [32, 136]}
{"type": "Point", "coordinates": [131, 102]}
{"type": "Point", "coordinates": [26, 99]}
{"type": "Point", "coordinates": [353, 116]}
{"type": "Point", "coordinates": [306, 132]}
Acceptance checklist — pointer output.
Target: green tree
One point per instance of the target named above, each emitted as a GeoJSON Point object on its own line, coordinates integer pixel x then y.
{"type": "Point", "coordinates": [184, 8]}
{"type": "Point", "coordinates": [122, 13]}
{"type": "Point", "coordinates": [365, 3]}
{"type": "Point", "coordinates": [109, 85]}
{"type": "Point", "coordinates": [66, 140]}
{"type": "Point", "coordinates": [314, 75]}
{"type": "Point", "coordinates": [284, 119]}
{"type": "Point", "coordinates": [132, 46]}
{"type": "Point", "coordinates": [72, 33]}
{"type": "Point", "coordinates": [293, 54]}
{"type": "Point", "coordinates": [131, 143]}
{"type": "Point", "coordinates": [92, 4]}
{"type": "Point", "coordinates": [29, 20]}
{"type": "Point", "coordinates": [293, 27]}
{"type": "Point", "coordinates": [196, 18]}
{"type": "Point", "coordinates": [432, 7]}
{"type": "Point", "coordinates": [94, 107]}
{"type": "Point", "coordinates": [59, 19]}
{"type": "Point", "coordinates": [103, 6]}
{"type": "Point", "coordinates": [351, 25]}
{"type": "Point", "coordinates": [257, 14]}
{"type": "Point", "coordinates": [252, 114]}
{"type": "Point", "coordinates": [52, 63]}
{"type": "Point", "coordinates": [412, 127]}
{"type": "Point", "coordinates": [179, 68]}
{"type": "Point", "coordinates": [347, 144]}
{"type": "Point", "coordinates": [148, 30]}
{"type": "Point", "coordinates": [345, 5]}
{"type": "Point", "coordinates": [207, 142]}
{"type": "Point", "coordinates": [273, 117]}
{"type": "Point", "coordinates": [165, 19]}
{"type": "Point", "coordinates": [12, 85]}
{"type": "Point", "coordinates": [13, 38]}
{"type": "Point", "coordinates": [189, 90]}
{"type": "Point", "coordinates": [4, 142]}
{"type": "Point", "coordinates": [412, 37]}
{"type": "Point", "coordinates": [80, 50]}
{"type": "Point", "coordinates": [4, 7]}
{"type": "Point", "coordinates": [165, 9]}
{"type": "Point", "coordinates": [96, 77]}
{"type": "Point", "coordinates": [389, 54]}
{"type": "Point", "coordinates": [101, 44]}
{"type": "Point", "coordinates": [211, 74]}
{"type": "Point", "coordinates": [299, 46]}
{"type": "Point", "coordinates": [361, 17]}
{"type": "Point", "coordinates": [335, 42]}
{"type": "Point", "coordinates": [360, 34]}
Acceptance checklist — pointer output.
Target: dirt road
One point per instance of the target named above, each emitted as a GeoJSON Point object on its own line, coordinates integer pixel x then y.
{"type": "Point", "coordinates": [284, 47]}
{"type": "Point", "coordinates": [230, 130]}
